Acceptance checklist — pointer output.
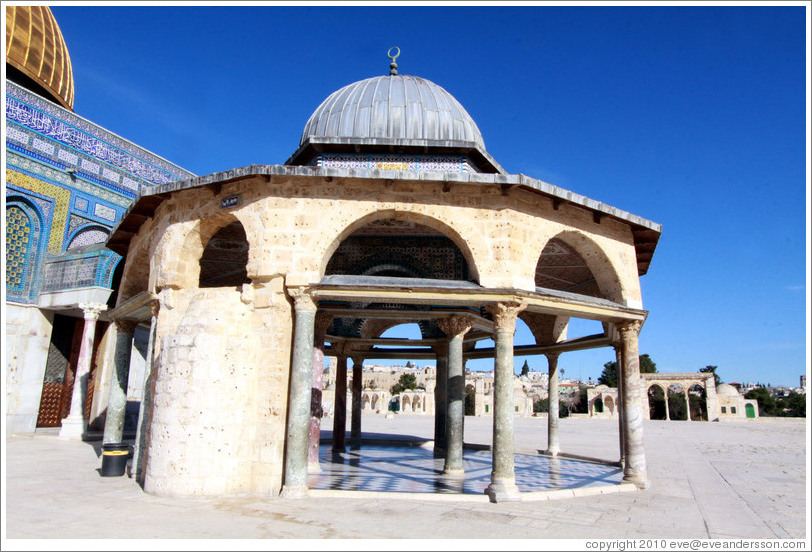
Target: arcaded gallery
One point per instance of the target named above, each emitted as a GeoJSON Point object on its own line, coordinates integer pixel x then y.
{"type": "Point", "coordinates": [389, 211]}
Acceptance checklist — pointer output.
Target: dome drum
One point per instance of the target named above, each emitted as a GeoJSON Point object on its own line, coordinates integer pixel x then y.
{"type": "Point", "coordinates": [393, 115]}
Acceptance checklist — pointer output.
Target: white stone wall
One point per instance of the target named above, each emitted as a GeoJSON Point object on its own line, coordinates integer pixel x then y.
{"type": "Point", "coordinates": [28, 335]}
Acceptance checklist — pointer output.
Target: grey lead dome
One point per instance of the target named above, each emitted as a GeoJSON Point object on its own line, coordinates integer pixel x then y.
{"type": "Point", "coordinates": [393, 109]}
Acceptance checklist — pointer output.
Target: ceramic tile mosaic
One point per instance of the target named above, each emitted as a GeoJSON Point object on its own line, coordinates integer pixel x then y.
{"type": "Point", "coordinates": [435, 163]}
{"type": "Point", "coordinates": [88, 237]}
{"type": "Point", "coordinates": [52, 121]}
{"type": "Point", "coordinates": [61, 198]}
{"type": "Point", "coordinates": [18, 246]}
{"type": "Point", "coordinates": [414, 469]}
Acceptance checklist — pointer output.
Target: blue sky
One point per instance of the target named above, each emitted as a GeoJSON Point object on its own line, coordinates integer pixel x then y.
{"type": "Point", "coordinates": [694, 117]}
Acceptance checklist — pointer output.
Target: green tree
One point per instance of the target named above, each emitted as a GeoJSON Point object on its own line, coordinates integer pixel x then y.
{"type": "Point", "coordinates": [525, 368]}
{"type": "Point", "coordinates": [609, 375]}
{"type": "Point", "coordinates": [793, 405]}
{"type": "Point", "coordinates": [766, 402]}
{"type": "Point", "coordinates": [406, 382]}
{"type": "Point", "coordinates": [712, 370]}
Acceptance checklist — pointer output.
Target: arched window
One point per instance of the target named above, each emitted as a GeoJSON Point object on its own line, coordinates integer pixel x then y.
{"type": "Point", "coordinates": [224, 260]}
{"type": "Point", "coordinates": [88, 236]}
{"type": "Point", "coordinates": [19, 247]}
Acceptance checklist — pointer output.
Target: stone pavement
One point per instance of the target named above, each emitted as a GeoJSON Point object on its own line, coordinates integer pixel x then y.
{"type": "Point", "coordinates": [743, 479]}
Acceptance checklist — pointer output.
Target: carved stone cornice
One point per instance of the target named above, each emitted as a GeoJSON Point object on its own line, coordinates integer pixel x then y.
{"type": "Point", "coordinates": [302, 299]}
{"type": "Point", "coordinates": [505, 314]}
{"type": "Point", "coordinates": [92, 310]}
{"type": "Point", "coordinates": [455, 325]}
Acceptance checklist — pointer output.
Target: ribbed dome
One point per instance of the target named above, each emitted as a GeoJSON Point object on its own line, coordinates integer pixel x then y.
{"type": "Point", "coordinates": [35, 47]}
{"type": "Point", "coordinates": [393, 109]}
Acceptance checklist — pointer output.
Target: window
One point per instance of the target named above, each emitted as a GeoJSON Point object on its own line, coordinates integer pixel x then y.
{"type": "Point", "coordinates": [724, 410]}
{"type": "Point", "coordinates": [732, 409]}
{"type": "Point", "coordinates": [486, 408]}
{"type": "Point", "coordinates": [517, 408]}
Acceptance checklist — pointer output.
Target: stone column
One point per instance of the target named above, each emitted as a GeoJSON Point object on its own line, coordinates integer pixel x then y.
{"type": "Point", "coordinates": [687, 407]}
{"type": "Point", "coordinates": [357, 388]}
{"type": "Point", "coordinates": [440, 400]}
{"type": "Point", "coordinates": [75, 425]}
{"type": "Point", "coordinates": [340, 408]}
{"type": "Point", "coordinates": [321, 324]}
{"type": "Point", "coordinates": [553, 448]}
{"type": "Point", "coordinates": [117, 401]}
{"type": "Point", "coordinates": [503, 478]}
{"type": "Point", "coordinates": [455, 327]}
{"type": "Point", "coordinates": [667, 409]}
{"type": "Point", "coordinates": [144, 412]}
{"type": "Point", "coordinates": [619, 402]}
{"type": "Point", "coordinates": [301, 377]}
{"type": "Point", "coordinates": [635, 456]}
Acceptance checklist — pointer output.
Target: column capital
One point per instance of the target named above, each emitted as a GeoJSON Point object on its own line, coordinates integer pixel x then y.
{"type": "Point", "coordinates": [303, 299]}
{"type": "Point", "coordinates": [154, 307]}
{"type": "Point", "coordinates": [92, 310]}
{"type": "Point", "coordinates": [552, 357]}
{"type": "Point", "coordinates": [455, 325]}
{"type": "Point", "coordinates": [629, 330]}
{"type": "Point", "coordinates": [505, 314]}
{"type": "Point", "coordinates": [126, 326]}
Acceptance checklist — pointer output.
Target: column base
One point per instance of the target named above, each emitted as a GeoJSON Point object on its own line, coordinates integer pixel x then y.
{"type": "Point", "coordinates": [299, 491]}
{"type": "Point", "coordinates": [640, 481]}
{"type": "Point", "coordinates": [73, 429]}
{"type": "Point", "coordinates": [453, 472]}
{"type": "Point", "coordinates": [503, 491]}
{"type": "Point", "coordinates": [552, 452]}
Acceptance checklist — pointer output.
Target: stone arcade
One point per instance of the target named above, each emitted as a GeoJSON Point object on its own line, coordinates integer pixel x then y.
{"type": "Point", "coordinates": [390, 211]}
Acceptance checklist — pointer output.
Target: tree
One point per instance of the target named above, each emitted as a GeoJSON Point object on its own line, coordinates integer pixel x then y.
{"type": "Point", "coordinates": [766, 402]}
{"type": "Point", "coordinates": [406, 382]}
{"type": "Point", "coordinates": [525, 368]}
{"type": "Point", "coordinates": [609, 375]}
{"type": "Point", "coordinates": [712, 370]}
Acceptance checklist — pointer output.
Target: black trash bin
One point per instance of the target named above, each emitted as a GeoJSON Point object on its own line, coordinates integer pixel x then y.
{"type": "Point", "coordinates": [114, 459]}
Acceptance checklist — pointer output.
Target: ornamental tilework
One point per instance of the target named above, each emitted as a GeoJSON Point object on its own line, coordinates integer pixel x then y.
{"type": "Point", "coordinates": [433, 163]}
{"type": "Point", "coordinates": [61, 203]}
{"type": "Point", "coordinates": [48, 119]}
{"type": "Point", "coordinates": [59, 177]}
{"type": "Point", "coordinates": [88, 237]}
{"type": "Point", "coordinates": [18, 246]}
{"type": "Point", "coordinates": [70, 271]}
{"type": "Point", "coordinates": [76, 222]}
{"type": "Point", "coordinates": [60, 157]}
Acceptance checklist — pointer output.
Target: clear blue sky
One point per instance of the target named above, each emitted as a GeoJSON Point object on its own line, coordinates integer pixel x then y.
{"type": "Point", "coordinates": [693, 117]}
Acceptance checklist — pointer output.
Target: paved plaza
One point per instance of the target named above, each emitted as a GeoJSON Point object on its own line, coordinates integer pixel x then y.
{"type": "Point", "coordinates": [743, 479]}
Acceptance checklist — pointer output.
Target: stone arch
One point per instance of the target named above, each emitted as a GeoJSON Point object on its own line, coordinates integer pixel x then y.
{"type": "Point", "coordinates": [87, 235]}
{"type": "Point", "coordinates": [224, 260]}
{"type": "Point", "coordinates": [609, 405]}
{"type": "Point", "coordinates": [677, 402]}
{"type": "Point", "coordinates": [374, 403]}
{"type": "Point", "coordinates": [698, 402]}
{"type": "Point", "coordinates": [606, 277]}
{"type": "Point", "coordinates": [183, 259]}
{"type": "Point", "coordinates": [417, 405]}
{"type": "Point", "coordinates": [446, 228]}
{"type": "Point", "coordinates": [365, 401]}
{"type": "Point", "coordinates": [657, 396]}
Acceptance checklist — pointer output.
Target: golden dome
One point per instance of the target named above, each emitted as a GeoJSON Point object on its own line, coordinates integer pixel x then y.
{"type": "Point", "coordinates": [35, 48]}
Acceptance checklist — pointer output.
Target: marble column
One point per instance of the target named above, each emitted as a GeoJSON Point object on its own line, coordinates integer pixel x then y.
{"type": "Point", "coordinates": [357, 388]}
{"type": "Point", "coordinates": [553, 447]}
{"type": "Point", "coordinates": [117, 399]}
{"type": "Point", "coordinates": [145, 409]}
{"type": "Point", "coordinates": [619, 402]}
{"type": "Point", "coordinates": [340, 408]}
{"type": "Point", "coordinates": [503, 477]}
{"type": "Point", "coordinates": [75, 425]}
{"type": "Point", "coordinates": [667, 408]}
{"type": "Point", "coordinates": [455, 327]}
{"type": "Point", "coordinates": [320, 326]}
{"type": "Point", "coordinates": [687, 406]}
{"type": "Point", "coordinates": [294, 484]}
{"type": "Point", "coordinates": [440, 400]}
{"type": "Point", "coordinates": [635, 457]}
